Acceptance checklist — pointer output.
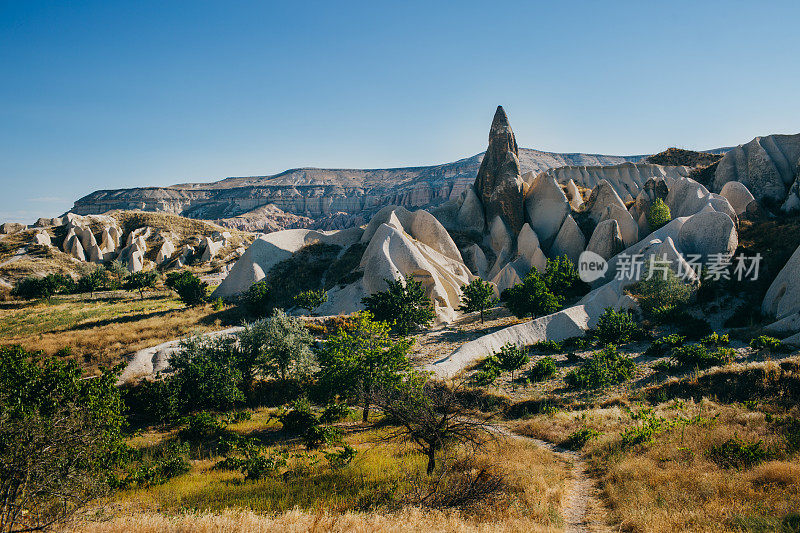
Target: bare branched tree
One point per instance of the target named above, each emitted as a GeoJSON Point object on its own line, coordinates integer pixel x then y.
{"type": "Point", "coordinates": [430, 414]}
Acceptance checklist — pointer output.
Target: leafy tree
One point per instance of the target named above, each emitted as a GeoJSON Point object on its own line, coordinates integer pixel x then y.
{"type": "Point", "coordinates": [661, 293]}
{"type": "Point", "coordinates": [658, 214]}
{"type": "Point", "coordinates": [279, 345]}
{"type": "Point", "coordinates": [606, 367]}
{"type": "Point", "coordinates": [512, 358]}
{"type": "Point", "coordinates": [561, 278]}
{"type": "Point", "coordinates": [531, 297]}
{"type": "Point", "coordinates": [357, 359]}
{"type": "Point", "coordinates": [615, 327]}
{"type": "Point", "coordinates": [206, 374]}
{"type": "Point", "coordinates": [96, 278]}
{"type": "Point", "coordinates": [191, 289]}
{"type": "Point", "coordinates": [404, 305]}
{"type": "Point", "coordinates": [139, 281]}
{"type": "Point", "coordinates": [60, 435]}
{"type": "Point", "coordinates": [257, 300]}
{"type": "Point", "coordinates": [44, 287]}
{"type": "Point", "coordinates": [311, 299]}
{"type": "Point", "coordinates": [116, 273]}
{"type": "Point", "coordinates": [429, 414]}
{"type": "Point", "coordinates": [478, 295]}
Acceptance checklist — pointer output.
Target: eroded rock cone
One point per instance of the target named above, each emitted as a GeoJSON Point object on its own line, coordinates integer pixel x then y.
{"type": "Point", "coordinates": [499, 184]}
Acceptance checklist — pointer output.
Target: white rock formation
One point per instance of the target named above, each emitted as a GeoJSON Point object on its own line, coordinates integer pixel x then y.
{"type": "Point", "coordinates": [783, 296]}
{"type": "Point", "coordinates": [546, 208]}
{"type": "Point", "coordinates": [570, 241]}
{"type": "Point", "coordinates": [574, 195]}
{"type": "Point", "coordinates": [628, 227]}
{"type": "Point", "coordinates": [737, 195]}
{"type": "Point", "coordinates": [210, 249]}
{"type": "Point", "coordinates": [528, 249]}
{"type": "Point", "coordinates": [602, 197]}
{"type": "Point", "coordinates": [165, 252]}
{"type": "Point", "coordinates": [42, 238]}
{"type": "Point", "coordinates": [606, 241]}
{"type": "Point", "coordinates": [708, 233]}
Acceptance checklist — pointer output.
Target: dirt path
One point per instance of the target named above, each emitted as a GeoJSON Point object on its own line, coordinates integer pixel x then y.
{"type": "Point", "coordinates": [582, 509]}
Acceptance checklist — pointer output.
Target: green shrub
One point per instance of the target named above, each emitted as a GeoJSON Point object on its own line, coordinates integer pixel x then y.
{"type": "Point", "coordinates": [606, 367]}
{"type": "Point", "coordinates": [698, 356]}
{"type": "Point", "coordinates": [646, 431]}
{"type": "Point", "coordinates": [202, 426]}
{"type": "Point", "coordinates": [663, 366]}
{"type": "Point", "coordinates": [658, 214]}
{"type": "Point", "coordinates": [191, 289]}
{"type": "Point", "coordinates": [615, 327]}
{"type": "Point", "coordinates": [531, 297]}
{"type": "Point", "coordinates": [478, 295]}
{"type": "Point", "coordinates": [715, 339]}
{"type": "Point", "coordinates": [256, 299]}
{"type": "Point", "coordinates": [334, 412]}
{"type": "Point", "coordinates": [578, 439]}
{"type": "Point", "coordinates": [544, 368]}
{"type": "Point", "coordinates": [662, 296]}
{"type": "Point", "coordinates": [512, 358]}
{"type": "Point", "coordinates": [311, 299]}
{"type": "Point", "coordinates": [154, 467]}
{"type": "Point", "coordinates": [548, 346]}
{"type": "Point", "coordinates": [489, 371]}
{"type": "Point", "coordinates": [664, 345]}
{"type": "Point", "coordinates": [404, 305]}
{"type": "Point", "coordinates": [218, 305]}
{"type": "Point", "coordinates": [767, 343]}
{"type": "Point", "coordinates": [318, 436]}
{"type": "Point", "coordinates": [561, 277]}
{"type": "Point", "coordinates": [45, 287]}
{"type": "Point", "coordinates": [341, 458]}
{"type": "Point", "coordinates": [736, 453]}
{"type": "Point", "coordinates": [299, 418]}
{"type": "Point", "coordinates": [139, 281]}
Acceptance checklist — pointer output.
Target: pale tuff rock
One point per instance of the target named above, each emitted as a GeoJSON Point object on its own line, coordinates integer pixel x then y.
{"type": "Point", "coordinates": [737, 195]}
{"type": "Point", "coordinates": [528, 249]}
{"type": "Point", "coordinates": [420, 224]}
{"type": "Point", "coordinates": [546, 208]}
{"type": "Point", "coordinates": [10, 227]}
{"type": "Point", "coordinates": [392, 254]}
{"type": "Point", "coordinates": [603, 196]}
{"type": "Point", "coordinates": [271, 248]}
{"type": "Point", "coordinates": [476, 261]}
{"type": "Point", "coordinates": [792, 203]}
{"type": "Point", "coordinates": [143, 232]}
{"type": "Point", "coordinates": [109, 239]}
{"type": "Point", "coordinates": [667, 253]}
{"type": "Point", "coordinates": [571, 322]}
{"type": "Point", "coordinates": [708, 233]}
{"type": "Point", "coordinates": [574, 195]}
{"type": "Point", "coordinates": [470, 215]}
{"type": "Point", "coordinates": [626, 178]}
{"type": "Point", "coordinates": [166, 252]}
{"type": "Point", "coordinates": [210, 249]}
{"type": "Point", "coordinates": [498, 184]}
{"type": "Point", "coordinates": [606, 241]}
{"type": "Point", "coordinates": [687, 197]}
{"type": "Point", "coordinates": [42, 238]}
{"type": "Point", "coordinates": [507, 277]}
{"type": "Point", "coordinates": [783, 296]}
{"type": "Point", "coordinates": [73, 247]}
{"type": "Point", "coordinates": [501, 241]}
{"type": "Point", "coordinates": [628, 227]}
{"type": "Point", "coordinates": [767, 166]}
{"type": "Point", "coordinates": [569, 241]}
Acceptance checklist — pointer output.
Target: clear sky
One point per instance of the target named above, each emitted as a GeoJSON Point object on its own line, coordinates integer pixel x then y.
{"type": "Point", "coordinates": [110, 94]}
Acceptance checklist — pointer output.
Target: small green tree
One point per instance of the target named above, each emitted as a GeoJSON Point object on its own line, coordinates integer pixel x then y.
{"type": "Point", "coordinates": [94, 279]}
{"type": "Point", "coordinates": [531, 297]}
{"type": "Point", "coordinates": [279, 346]}
{"type": "Point", "coordinates": [139, 281]}
{"type": "Point", "coordinates": [44, 287]}
{"type": "Point", "coordinates": [404, 305]}
{"type": "Point", "coordinates": [311, 299]}
{"type": "Point", "coordinates": [356, 359]}
{"type": "Point", "coordinates": [60, 437]}
{"type": "Point", "coordinates": [206, 374]}
{"type": "Point", "coordinates": [512, 358]}
{"type": "Point", "coordinates": [116, 273]}
{"type": "Point", "coordinates": [561, 278]}
{"type": "Point", "coordinates": [191, 289]}
{"type": "Point", "coordinates": [658, 214]}
{"type": "Point", "coordinates": [478, 295]}
{"type": "Point", "coordinates": [257, 299]}
{"type": "Point", "coordinates": [615, 327]}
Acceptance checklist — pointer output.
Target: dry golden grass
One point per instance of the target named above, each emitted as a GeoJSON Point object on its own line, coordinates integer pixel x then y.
{"type": "Point", "coordinates": [670, 484]}
{"type": "Point", "coordinates": [408, 520]}
{"type": "Point", "coordinates": [362, 496]}
{"type": "Point", "coordinates": [102, 330]}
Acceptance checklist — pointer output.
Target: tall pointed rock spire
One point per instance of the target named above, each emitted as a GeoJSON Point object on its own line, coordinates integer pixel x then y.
{"type": "Point", "coordinates": [499, 184]}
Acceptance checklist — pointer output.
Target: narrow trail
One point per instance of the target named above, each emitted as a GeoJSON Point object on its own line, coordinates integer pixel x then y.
{"type": "Point", "coordinates": [583, 511]}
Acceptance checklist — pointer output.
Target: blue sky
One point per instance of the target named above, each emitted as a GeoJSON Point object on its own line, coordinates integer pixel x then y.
{"type": "Point", "coordinates": [109, 94]}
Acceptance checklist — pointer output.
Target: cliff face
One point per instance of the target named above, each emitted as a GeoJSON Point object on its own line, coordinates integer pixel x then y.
{"type": "Point", "coordinates": [323, 193]}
